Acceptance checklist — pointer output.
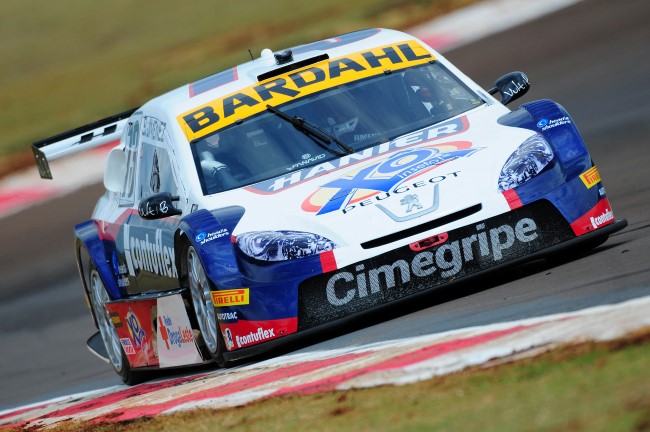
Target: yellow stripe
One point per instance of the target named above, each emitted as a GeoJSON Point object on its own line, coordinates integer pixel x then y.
{"type": "Point", "coordinates": [299, 83]}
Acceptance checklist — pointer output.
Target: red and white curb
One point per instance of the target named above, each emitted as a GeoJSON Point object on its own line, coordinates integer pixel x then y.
{"type": "Point", "coordinates": [466, 25]}
{"type": "Point", "coordinates": [393, 362]}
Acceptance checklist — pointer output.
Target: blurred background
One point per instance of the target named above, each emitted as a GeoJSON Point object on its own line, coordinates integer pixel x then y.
{"type": "Point", "coordinates": [66, 63]}
{"type": "Point", "coordinates": [70, 62]}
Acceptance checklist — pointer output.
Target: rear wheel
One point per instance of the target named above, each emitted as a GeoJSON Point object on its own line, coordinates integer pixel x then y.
{"type": "Point", "coordinates": [200, 289]}
{"type": "Point", "coordinates": [116, 355]}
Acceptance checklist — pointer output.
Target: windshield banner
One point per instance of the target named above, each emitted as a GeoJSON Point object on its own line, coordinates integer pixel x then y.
{"type": "Point", "coordinates": [314, 78]}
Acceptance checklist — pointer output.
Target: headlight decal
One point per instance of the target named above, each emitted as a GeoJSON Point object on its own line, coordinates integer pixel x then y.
{"type": "Point", "coordinates": [282, 245]}
{"type": "Point", "coordinates": [530, 158]}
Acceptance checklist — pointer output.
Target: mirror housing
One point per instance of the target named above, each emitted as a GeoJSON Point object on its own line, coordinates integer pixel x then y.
{"type": "Point", "coordinates": [158, 206]}
{"type": "Point", "coordinates": [115, 170]}
{"type": "Point", "coordinates": [512, 86]}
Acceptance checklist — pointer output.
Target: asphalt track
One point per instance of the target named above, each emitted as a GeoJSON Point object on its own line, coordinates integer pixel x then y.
{"type": "Point", "coordinates": [593, 57]}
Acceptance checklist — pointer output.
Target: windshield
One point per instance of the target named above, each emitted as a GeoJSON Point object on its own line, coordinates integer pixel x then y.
{"type": "Point", "coordinates": [360, 114]}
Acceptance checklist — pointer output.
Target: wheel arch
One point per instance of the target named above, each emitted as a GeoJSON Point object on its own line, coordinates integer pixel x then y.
{"type": "Point", "coordinates": [89, 248]}
{"type": "Point", "coordinates": [210, 233]}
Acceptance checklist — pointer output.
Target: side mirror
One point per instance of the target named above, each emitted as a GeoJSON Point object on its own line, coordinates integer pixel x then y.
{"type": "Point", "coordinates": [115, 170]}
{"type": "Point", "coordinates": [511, 86]}
{"type": "Point", "coordinates": [158, 206]}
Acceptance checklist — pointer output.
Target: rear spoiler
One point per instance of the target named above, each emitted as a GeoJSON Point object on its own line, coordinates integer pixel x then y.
{"type": "Point", "coordinates": [77, 140]}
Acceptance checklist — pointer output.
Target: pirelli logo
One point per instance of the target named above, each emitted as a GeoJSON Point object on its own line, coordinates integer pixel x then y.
{"type": "Point", "coordinates": [590, 177]}
{"type": "Point", "coordinates": [233, 297]}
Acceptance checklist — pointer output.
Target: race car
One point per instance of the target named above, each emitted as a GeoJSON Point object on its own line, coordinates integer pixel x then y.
{"type": "Point", "coordinates": [313, 185]}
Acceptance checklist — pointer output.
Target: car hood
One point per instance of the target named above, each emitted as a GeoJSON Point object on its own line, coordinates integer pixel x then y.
{"type": "Point", "coordinates": [418, 177]}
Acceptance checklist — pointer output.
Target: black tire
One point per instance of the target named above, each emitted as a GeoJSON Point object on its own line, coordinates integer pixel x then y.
{"type": "Point", "coordinates": [200, 288]}
{"type": "Point", "coordinates": [116, 355]}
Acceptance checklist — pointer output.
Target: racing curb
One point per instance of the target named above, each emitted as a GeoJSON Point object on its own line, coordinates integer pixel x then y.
{"type": "Point", "coordinates": [395, 362]}
{"type": "Point", "coordinates": [25, 188]}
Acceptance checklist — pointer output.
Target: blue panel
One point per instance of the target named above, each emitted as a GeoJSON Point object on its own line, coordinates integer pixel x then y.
{"type": "Point", "coordinates": [87, 233]}
{"type": "Point", "coordinates": [559, 182]}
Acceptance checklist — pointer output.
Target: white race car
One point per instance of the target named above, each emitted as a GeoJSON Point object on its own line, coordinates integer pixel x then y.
{"type": "Point", "coordinates": [312, 185]}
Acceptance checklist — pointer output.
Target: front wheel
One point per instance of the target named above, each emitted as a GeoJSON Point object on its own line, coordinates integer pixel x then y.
{"type": "Point", "coordinates": [116, 354]}
{"type": "Point", "coordinates": [200, 285]}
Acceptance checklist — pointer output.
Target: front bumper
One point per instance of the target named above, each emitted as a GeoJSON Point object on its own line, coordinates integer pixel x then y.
{"type": "Point", "coordinates": [333, 299]}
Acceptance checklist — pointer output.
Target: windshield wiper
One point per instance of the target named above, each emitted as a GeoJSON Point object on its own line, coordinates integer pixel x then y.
{"type": "Point", "coordinates": [318, 135]}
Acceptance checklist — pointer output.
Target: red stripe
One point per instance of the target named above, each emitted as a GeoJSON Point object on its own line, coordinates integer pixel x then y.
{"type": "Point", "coordinates": [21, 411]}
{"type": "Point", "coordinates": [13, 199]}
{"type": "Point", "coordinates": [331, 383]}
{"type": "Point", "coordinates": [118, 396]}
{"type": "Point", "coordinates": [513, 199]}
{"type": "Point", "coordinates": [226, 389]}
{"type": "Point", "coordinates": [328, 261]}
{"type": "Point", "coordinates": [594, 218]}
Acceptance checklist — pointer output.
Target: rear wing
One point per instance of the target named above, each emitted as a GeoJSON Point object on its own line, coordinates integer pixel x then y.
{"type": "Point", "coordinates": [77, 140]}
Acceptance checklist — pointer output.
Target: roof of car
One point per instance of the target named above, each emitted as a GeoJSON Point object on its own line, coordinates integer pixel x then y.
{"type": "Point", "coordinates": [266, 65]}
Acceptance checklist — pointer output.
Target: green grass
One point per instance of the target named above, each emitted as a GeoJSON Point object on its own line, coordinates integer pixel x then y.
{"type": "Point", "coordinates": [587, 387]}
{"type": "Point", "coordinates": [69, 62]}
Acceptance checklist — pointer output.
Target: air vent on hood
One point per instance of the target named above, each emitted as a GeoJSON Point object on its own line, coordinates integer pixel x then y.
{"type": "Point", "coordinates": [292, 66]}
{"type": "Point", "coordinates": [422, 228]}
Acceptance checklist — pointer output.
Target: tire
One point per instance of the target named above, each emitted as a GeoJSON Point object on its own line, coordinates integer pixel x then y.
{"type": "Point", "coordinates": [116, 355]}
{"type": "Point", "coordinates": [200, 290]}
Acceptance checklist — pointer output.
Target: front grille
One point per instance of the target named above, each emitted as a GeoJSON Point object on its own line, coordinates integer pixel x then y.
{"type": "Point", "coordinates": [403, 272]}
{"type": "Point", "coordinates": [422, 228]}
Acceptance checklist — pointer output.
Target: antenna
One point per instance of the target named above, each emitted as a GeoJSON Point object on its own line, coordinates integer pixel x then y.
{"type": "Point", "coordinates": [250, 53]}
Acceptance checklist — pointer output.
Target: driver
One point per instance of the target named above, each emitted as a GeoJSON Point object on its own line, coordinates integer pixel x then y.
{"type": "Point", "coordinates": [430, 93]}
{"type": "Point", "coordinates": [342, 115]}
{"type": "Point", "coordinates": [216, 174]}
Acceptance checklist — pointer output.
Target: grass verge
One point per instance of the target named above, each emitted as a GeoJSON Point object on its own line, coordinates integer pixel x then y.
{"type": "Point", "coordinates": [584, 387]}
{"type": "Point", "coordinates": [67, 63]}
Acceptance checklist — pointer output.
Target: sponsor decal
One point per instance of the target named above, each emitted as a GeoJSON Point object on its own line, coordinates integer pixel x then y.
{"type": "Point", "coordinates": [590, 177]}
{"type": "Point", "coordinates": [232, 297]}
{"type": "Point", "coordinates": [254, 337]}
{"type": "Point", "coordinates": [127, 346]}
{"type": "Point", "coordinates": [447, 259]}
{"type": "Point", "coordinates": [230, 344]}
{"type": "Point", "coordinates": [227, 317]}
{"type": "Point", "coordinates": [153, 128]}
{"type": "Point", "coordinates": [307, 159]}
{"type": "Point", "coordinates": [245, 333]}
{"type": "Point", "coordinates": [176, 342]}
{"type": "Point", "coordinates": [604, 219]}
{"type": "Point", "coordinates": [300, 83]}
{"type": "Point", "coordinates": [135, 329]}
{"type": "Point", "coordinates": [546, 124]}
{"type": "Point", "coordinates": [115, 318]}
{"type": "Point", "coordinates": [173, 337]}
{"type": "Point", "coordinates": [152, 255]}
{"type": "Point", "coordinates": [203, 238]}
{"type": "Point", "coordinates": [516, 87]}
{"type": "Point", "coordinates": [380, 179]}
{"type": "Point", "coordinates": [137, 317]}
{"type": "Point", "coordinates": [412, 139]}
{"type": "Point", "coordinates": [600, 215]}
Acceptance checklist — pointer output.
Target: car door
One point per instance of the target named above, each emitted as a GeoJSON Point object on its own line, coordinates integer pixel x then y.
{"type": "Point", "coordinates": [148, 244]}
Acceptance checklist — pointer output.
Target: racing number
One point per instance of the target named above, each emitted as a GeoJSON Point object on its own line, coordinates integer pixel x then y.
{"type": "Point", "coordinates": [132, 135]}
